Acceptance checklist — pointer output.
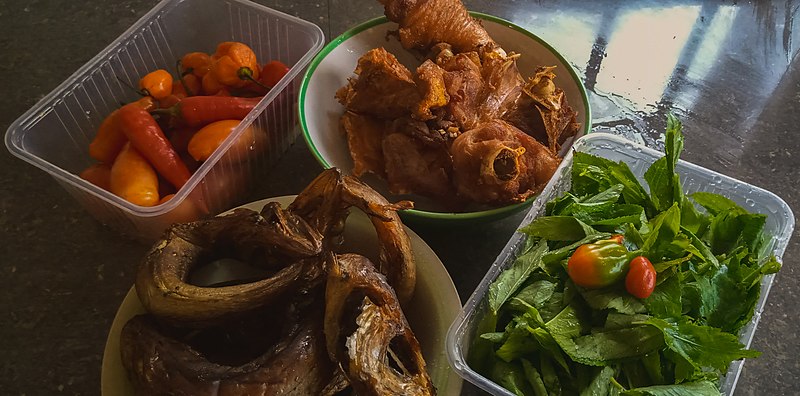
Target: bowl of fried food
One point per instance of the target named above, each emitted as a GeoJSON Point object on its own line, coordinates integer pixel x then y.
{"type": "Point", "coordinates": [465, 114]}
{"type": "Point", "coordinates": [290, 295]}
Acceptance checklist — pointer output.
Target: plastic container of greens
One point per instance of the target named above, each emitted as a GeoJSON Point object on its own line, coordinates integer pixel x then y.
{"type": "Point", "coordinates": [54, 135]}
{"type": "Point", "coordinates": [779, 224]}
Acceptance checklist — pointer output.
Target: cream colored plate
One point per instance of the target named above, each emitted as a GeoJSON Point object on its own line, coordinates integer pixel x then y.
{"type": "Point", "coordinates": [434, 306]}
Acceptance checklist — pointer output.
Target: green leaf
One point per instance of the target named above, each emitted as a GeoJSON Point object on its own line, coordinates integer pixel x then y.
{"type": "Point", "coordinates": [613, 298]}
{"type": "Point", "coordinates": [700, 388]}
{"type": "Point", "coordinates": [614, 216]}
{"type": "Point", "coordinates": [591, 174]}
{"type": "Point", "coordinates": [510, 376]}
{"type": "Point", "coordinates": [663, 229]}
{"type": "Point", "coordinates": [602, 347]}
{"type": "Point", "coordinates": [716, 204]}
{"type": "Point", "coordinates": [534, 378]}
{"type": "Point", "coordinates": [691, 218]}
{"type": "Point", "coordinates": [665, 301]}
{"type": "Point", "coordinates": [704, 346]}
{"type": "Point", "coordinates": [512, 278]}
{"type": "Point", "coordinates": [558, 228]}
{"type": "Point", "coordinates": [517, 344]}
{"type": "Point", "coordinates": [601, 383]}
{"type": "Point", "coordinates": [661, 182]}
{"type": "Point", "coordinates": [535, 294]}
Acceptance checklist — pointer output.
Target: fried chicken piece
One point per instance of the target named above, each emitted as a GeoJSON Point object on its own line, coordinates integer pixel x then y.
{"type": "Point", "coordinates": [424, 23]}
{"type": "Point", "coordinates": [496, 162]}
{"type": "Point", "coordinates": [430, 82]}
{"type": "Point", "coordinates": [364, 136]}
{"type": "Point", "coordinates": [466, 88]}
{"type": "Point", "coordinates": [556, 119]}
{"type": "Point", "coordinates": [415, 168]}
{"type": "Point", "coordinates": [384, 87]}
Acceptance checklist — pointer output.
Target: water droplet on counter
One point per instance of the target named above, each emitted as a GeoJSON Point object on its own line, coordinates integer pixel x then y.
{"type": "Point", "coordinates": [750, 202]}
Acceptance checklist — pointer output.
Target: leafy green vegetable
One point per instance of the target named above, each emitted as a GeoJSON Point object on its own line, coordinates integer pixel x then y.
{"type": "Point", "coordinates": [701, 388]}
{"type": "Point", "coordinates": [511, 279]}
{"type": "Point", "coordinates": [543, 335]}
{"type": "Point", "coordinates": [702, 345]}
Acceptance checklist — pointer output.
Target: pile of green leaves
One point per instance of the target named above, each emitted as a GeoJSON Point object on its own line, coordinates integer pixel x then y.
{"type": "Point", "coordinates": [543, 335]}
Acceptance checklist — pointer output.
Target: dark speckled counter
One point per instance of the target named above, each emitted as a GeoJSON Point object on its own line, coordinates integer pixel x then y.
{"type": "Point", "coordinates": [729, 70]}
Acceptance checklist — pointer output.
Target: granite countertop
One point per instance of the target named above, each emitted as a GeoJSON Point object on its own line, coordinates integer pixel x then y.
{"type": "Point", "coordinates": [728, 70]}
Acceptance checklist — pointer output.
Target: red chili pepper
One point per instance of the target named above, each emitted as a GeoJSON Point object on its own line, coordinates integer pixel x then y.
{"type": "Point", "coordinates": [641, 279]}
{"type": "Point", "coordinates": [146, 136]}
{"type": "Point", "coordinates": [198, 111]}
{"type": "Point", "coordinates": [598, 264]}
{"type": "Point", "coordinates": [109, 139]}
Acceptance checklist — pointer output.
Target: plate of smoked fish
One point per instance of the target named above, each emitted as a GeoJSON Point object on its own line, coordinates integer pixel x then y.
{"type": "Point", "coordinates": [289, 295]}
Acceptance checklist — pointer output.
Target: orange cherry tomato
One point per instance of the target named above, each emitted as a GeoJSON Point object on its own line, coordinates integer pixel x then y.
{"type": "Point", "coordinates": [99, 175]}
{"type": "Point", "coordinates": [133, 178]}
{"type": "Point", "coordinates": [641, 279]}
{"type": "Point", "coordinates": [157, 84]}
{"type": "Point", "coordinates": [196, 63]}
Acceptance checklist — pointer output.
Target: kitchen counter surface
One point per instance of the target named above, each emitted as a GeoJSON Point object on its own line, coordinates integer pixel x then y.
{"type": "Point", "coordinates": [728, 70]}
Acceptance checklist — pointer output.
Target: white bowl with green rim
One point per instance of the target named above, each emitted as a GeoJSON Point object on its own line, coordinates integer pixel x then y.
{"type": "Point", "coordinates": [319, 110]}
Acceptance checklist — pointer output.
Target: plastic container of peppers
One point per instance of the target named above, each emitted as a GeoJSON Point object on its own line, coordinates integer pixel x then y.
{"type": "Point", "coordinates": [54, 135]}
{"type": "Point", "coordinates": [779, 224]}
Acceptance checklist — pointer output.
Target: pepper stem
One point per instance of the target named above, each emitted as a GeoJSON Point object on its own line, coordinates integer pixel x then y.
{"type": "Point", "coordinates": [181, 73]}
{"type": "Point", "coordinates": [245, 73]}
{"type": "Point", "coordinates": [142, 92]}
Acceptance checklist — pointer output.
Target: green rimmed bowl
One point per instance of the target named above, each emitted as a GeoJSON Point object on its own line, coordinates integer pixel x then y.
{"type": "Point", "coordinates": [319, 111]}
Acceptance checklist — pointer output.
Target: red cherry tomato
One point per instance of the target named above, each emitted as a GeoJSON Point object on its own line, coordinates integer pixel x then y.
{"type": "Point", "coordinates": [641, 279]}
{"type": "Point", "coordinates": [272, 72]}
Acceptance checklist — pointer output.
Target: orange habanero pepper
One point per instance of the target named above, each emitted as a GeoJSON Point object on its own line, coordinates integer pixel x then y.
{"type": "Point", "coordinates": [196, 63]}
{"type": "Point", "coordinates": [133, 178]}
{"type": "Point", "coordinates": [235, 64]}
{"type": "Point", "coordinates": [157, 84]}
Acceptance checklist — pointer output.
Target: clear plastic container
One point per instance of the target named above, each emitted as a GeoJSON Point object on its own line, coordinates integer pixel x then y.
{"type": "Point", "coordinates": [54, 135]}
{"type": "Point", "coordinates": [780, 224]}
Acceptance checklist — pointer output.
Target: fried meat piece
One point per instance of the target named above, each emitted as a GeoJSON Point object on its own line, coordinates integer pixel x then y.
{"type": "Point", "coordinates": [364, 139]}
{"type": "Point", "coordinates": [383, 88]}
{"type": "Point", "coordinates": [413, 167]}
{"type": "Point", "coordinates": [424, 23]}
{"type": "Point", "coordinates": [430, 82]}
{"type": "Point", "coordinates": [496, 162]}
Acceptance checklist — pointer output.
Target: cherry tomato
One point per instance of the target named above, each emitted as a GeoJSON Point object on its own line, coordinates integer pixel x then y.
{"type": "Point", "coordinates": [641, 279]}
